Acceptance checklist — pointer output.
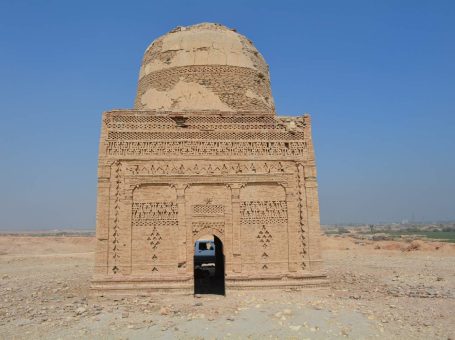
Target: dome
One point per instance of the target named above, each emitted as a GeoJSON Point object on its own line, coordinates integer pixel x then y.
{"type": "Point", "coordinates": [204, 67]}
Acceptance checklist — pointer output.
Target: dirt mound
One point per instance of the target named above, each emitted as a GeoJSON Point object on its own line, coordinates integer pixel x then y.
{"type": "Point", "coordinates": [391, 246]}
{"type": "Point", "coordinates": [349, 243]}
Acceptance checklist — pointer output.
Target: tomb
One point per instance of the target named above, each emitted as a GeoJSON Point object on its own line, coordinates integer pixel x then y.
{"type": "Point", "coordinates": [204, 153]}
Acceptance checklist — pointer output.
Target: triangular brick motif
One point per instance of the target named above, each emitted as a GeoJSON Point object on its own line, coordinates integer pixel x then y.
{"type": "Point", "coordinates": [264, 237]}
{"type": "Point", "coordinates": [265, 267]}
{"type": "Point", "coordinates": [154, 269]}
{"type": "Point", "coordinates": [154, 238]}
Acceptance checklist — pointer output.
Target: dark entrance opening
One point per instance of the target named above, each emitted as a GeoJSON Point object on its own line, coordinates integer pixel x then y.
{"type": "Point", "coordinates": [209, 266]}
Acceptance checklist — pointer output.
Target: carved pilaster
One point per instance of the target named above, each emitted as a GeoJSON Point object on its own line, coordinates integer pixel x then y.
{"type": "Point", "coordinates": [102, 227]}
{"type": "Point", "coordinates": [236, 233]}
{"type": "Point", "coordinates": [189, 236]}
{"type": "Point", "coordinates": [126, 226]}
{"type": "Point", "coordinates": [183, 230]}
{"type": "Point", "coordinates": [303, 218]}
{"type": "Point", "coordinates": [114, 250]}
{"type": "Point", "coordinates": [293, 222]}
{"type": "Point", "coordinates": [314, 229]}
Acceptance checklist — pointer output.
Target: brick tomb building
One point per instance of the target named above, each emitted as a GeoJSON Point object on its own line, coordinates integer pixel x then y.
{"type": "Point", "coordinates": [204, 153]}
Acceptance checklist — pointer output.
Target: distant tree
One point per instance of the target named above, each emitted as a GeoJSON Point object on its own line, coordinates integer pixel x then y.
{"type": "Point", "coordinates": [371, 226]}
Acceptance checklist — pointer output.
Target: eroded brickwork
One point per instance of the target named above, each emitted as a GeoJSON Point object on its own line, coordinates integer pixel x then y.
{"type": "Point", "coordinates": [204, 67]}
{"type": "Point", "coordinates": [239, 88]}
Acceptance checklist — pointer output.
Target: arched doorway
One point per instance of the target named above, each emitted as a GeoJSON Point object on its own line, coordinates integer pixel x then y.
{"type": "Point", "coordinates": [209, 266]}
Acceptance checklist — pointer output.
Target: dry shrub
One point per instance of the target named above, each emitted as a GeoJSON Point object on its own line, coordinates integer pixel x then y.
{"type": "Point", "coordinates": [414, 246]}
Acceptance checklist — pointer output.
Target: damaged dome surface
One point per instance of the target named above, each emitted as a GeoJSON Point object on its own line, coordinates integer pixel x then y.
{"type": "Point", "coordinates": [205, 67]}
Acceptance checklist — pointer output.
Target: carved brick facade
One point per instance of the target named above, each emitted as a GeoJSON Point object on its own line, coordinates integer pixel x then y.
{"type": "Point", "coordinates": [168, 177]}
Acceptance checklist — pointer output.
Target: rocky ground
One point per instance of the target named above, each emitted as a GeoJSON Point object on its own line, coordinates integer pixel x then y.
{"type": "Point", "coordinates": [382, 289]}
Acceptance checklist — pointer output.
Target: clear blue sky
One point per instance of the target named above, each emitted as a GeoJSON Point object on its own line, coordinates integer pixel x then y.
{"type": "Point", "coordinates": [378, 78]}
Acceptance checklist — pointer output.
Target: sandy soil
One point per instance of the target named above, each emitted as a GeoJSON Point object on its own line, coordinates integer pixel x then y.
{"type": "Point", "coordinates": [378, 290]}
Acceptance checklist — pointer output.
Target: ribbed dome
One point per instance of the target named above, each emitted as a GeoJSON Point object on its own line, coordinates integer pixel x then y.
{"type": "Point", "coordinates": [204, 67]}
